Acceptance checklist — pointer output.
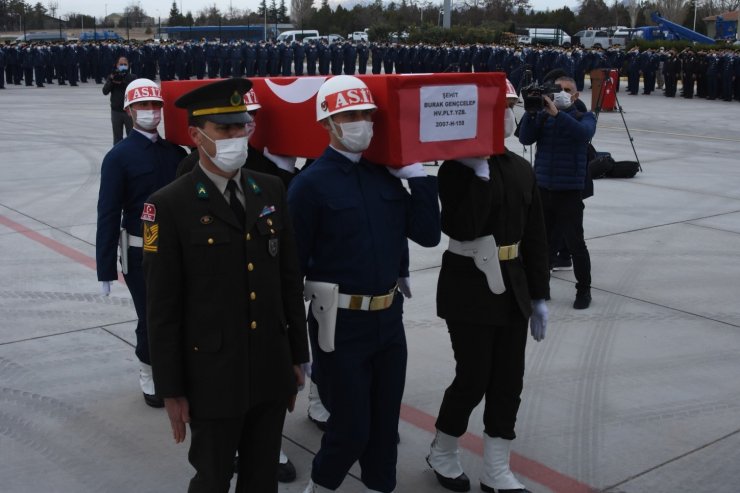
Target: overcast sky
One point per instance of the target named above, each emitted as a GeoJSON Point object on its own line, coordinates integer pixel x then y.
{"type": "Point", "coordinates": [101, 7]}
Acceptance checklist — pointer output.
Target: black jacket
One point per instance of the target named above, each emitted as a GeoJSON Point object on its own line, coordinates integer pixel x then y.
{"type": "Point", "coordinates": [224, 304]}
{"type": "Point", "coordinates": [509, 207]}
{"type": "Point", "coordinates": [117, 90]}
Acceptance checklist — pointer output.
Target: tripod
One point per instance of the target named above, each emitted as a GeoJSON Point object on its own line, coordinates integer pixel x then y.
{"type": "Point", "coordinates": [607, 82]}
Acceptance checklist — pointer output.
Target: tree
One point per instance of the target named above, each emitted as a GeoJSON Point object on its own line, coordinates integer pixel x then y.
{"type": "Point", "coordinates": [300, 11]}
{"type": "Point", "coordinates": [209, 15]}
{"type": "Point", "coordinates": [633, 8]}
{"type": "Point", "coordinates": [176, 18]}
{"type": "Point", "coordinates": [282, 12]}
{"type": "Point", "coordinates": [272, 12]}
{"type": "Point", "coordinates": [262, 8]}
{"type": "Point", "coordinates": [673, 10]}
{"type": "Point", "coordinates": [593, 13]}
{"type": "Point", "coordinates": [135, 14]}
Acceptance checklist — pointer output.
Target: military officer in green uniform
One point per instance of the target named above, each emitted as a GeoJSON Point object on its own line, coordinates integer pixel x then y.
{"type": "Point", "coordinates": [224, 294]}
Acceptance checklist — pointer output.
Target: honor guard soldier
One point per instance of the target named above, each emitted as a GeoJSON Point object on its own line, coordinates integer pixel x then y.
{"type": "Point", "coordinates": [225, 305]}
{"type": "Point", "coordinates": [491, 209]}
{"type": "Point", "coordinates": [352, 220]}
{"type": "Point", "coordinates": [284, 168]}
{"type": "Point", "coordinates": [134, 169]}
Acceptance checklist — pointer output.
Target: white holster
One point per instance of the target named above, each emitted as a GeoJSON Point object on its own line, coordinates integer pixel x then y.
{"type": "Point", "coordinates": [324, 298]}
{"type": "Point", "coordinates": [123, 244]}
{"type": "Point", "coordinates": [484, 253]}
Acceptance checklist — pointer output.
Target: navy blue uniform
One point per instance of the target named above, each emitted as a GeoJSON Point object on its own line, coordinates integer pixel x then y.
{"type": "Point", "coordinates": [133, 170]}
{"type": "Point", "coordinates": [351, 223]}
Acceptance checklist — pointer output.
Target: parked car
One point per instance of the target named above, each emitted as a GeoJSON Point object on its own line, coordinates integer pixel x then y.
{"type": "Point", "coordinates": [357, 36]}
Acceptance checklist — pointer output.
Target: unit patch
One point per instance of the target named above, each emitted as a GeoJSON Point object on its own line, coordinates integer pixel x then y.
{"type": "Point", "coordinates": [272, 246]}
{"type": "Point", "coordinates": [151, 237]}
{"type": "Point", "coordinates": [149, 213]}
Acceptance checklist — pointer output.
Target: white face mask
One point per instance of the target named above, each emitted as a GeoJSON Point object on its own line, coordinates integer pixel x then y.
{"type": "Point", "coordinates": [148, 119]}
{"type": "Point", "coordinates": [509, 123]}
{"type": "Point", "coordinates": [562, 100]}
{"type": "Point", "coordinates": [230, 153]}
{"type": "Point", "coordinates": [356, 136]}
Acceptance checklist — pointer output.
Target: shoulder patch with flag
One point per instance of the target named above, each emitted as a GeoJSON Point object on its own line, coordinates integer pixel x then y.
{"type": "Point", "coordinates": [149, 213]}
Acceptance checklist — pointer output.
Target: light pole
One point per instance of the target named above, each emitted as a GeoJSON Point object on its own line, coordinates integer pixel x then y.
{"type": "Point", "coordinates": [695, 5]}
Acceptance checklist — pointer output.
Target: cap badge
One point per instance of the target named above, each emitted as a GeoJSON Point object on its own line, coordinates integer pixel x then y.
{"type": "Point", "coordinates": [236, 99]}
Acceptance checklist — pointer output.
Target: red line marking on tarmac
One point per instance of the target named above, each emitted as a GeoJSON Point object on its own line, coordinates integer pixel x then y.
{"type": "Point", "coordinates": [52, 244]}
{"type": "Point", "coordinates": [552, 479]}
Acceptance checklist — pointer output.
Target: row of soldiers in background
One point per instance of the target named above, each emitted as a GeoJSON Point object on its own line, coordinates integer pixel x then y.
{"type": "Point", "coordinates": [716, 73]}
{"type": "Point", "coordinates": [184, 60]}
{"type": "Point", "coordinates": [713, 74]}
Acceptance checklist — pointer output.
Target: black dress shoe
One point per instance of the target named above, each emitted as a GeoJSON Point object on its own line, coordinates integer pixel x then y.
{"type": "Point", "coordinates": [488, 489]}
{"type": "Point", "coordinates": [153, 401]}
{"type": "Point", "coordinates": [460, 483]}
{"type": "Point", "coordinates": [286, 472]}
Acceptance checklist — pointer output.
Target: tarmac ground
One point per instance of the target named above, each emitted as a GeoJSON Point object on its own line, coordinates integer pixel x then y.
{"type": "Point", "coordinates": [638, 394]}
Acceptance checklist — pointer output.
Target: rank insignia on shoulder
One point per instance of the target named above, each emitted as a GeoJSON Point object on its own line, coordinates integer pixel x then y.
{"type": "Point", "coordinates": [151, 237]}
{"type": "Point", "coordinates": [201, 191]}
{"type": "Point", "coordinates": [206, 220]}
{"type": "Point", "coordinates": [267, 210]}
{"type": "Point", "coordinates": [255, 188]}
{"type": "Point", "coordinates": [149, 213]}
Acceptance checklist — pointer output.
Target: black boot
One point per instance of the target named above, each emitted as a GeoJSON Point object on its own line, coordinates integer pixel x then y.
{"type": "Point", "coordinates": [583, 299]}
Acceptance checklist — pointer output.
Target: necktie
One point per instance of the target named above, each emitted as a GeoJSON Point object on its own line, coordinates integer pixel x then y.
{"type": "Point", "coordinates": [234, 203]}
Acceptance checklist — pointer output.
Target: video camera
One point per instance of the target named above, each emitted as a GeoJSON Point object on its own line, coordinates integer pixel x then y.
{"type": "Point", "coordinates": [532, 95]}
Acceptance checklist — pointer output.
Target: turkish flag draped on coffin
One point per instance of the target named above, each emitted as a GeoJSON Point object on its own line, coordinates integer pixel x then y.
{"type": "Point", "coordinates": [420, 117]}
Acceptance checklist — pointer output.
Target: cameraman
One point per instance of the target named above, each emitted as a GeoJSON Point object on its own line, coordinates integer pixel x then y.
{"type": "Point", "coordinates": [562, 134]}
{"type": "Point", "coordinates": [115, 85]}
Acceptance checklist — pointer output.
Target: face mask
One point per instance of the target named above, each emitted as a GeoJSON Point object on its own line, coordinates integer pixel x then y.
{"type": "Point", "coordinates": [562, 100]}
{"type": "Point", "coordinates": [509, 123]}
{"type": "Point", "coordinates": [356, 136]}
{"type": "Point", "coordinates": [230, 153]}
{"type": "Point", "coordinates": [123, 68]}
{"type": "Point", "coordinates": [148, 119]}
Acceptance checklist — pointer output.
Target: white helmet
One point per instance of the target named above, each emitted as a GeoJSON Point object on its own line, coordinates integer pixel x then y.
{"type": "Point", "coordinates": [250, 99]}
{"type": "Point", "coordinates": [142, 90]}
{"type": "Point", "coordinates": [343, 93]}
{"type": "Point", "coordinates": [510, 91]}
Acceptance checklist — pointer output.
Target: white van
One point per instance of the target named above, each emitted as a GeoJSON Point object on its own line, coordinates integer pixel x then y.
{"type": "Point", "coordinates": [290, 36]}
{"type": "Point", "coordinates": [546, 36]}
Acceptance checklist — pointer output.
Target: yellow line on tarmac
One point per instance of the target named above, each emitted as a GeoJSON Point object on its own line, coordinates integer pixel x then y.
{"type": "Point", "coordinates": [706, 137]}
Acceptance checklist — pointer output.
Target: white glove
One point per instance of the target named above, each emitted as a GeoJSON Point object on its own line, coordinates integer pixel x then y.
{"type": "Point", "coordinates": [105, 288]}
{"type": "Point", "coordinates": [404, 286]}
{"type": "Point", "coordinates": [479, 166]}
{"type": "Point", "coordinates": [306, 369]}
{"type": "Point", "coordinates": [415, 170]}
{"type": "Point", "coordinates": [286, 163]}
{"type": "Point", "coordinates": [538, 320]}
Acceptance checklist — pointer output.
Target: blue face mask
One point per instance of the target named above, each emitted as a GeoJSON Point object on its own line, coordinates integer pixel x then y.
{"type": "Point", "coordinates": [123, 68]}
